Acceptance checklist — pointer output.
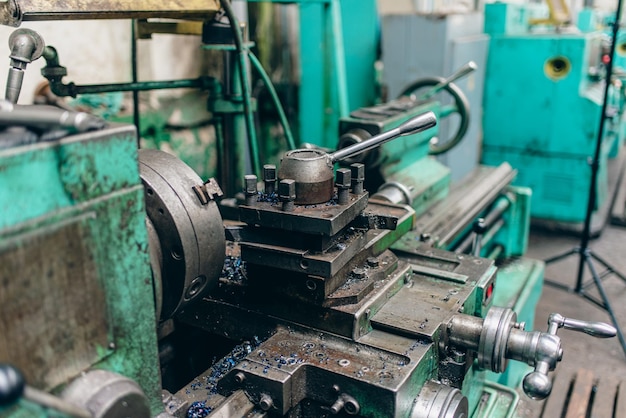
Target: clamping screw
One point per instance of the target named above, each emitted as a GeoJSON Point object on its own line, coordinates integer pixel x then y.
{"type": "Point", "coordinates": [358, 177]}
{"type": "Point", "coordinates": [266, 402]}
{"type": "Point", "coordinates": [251, 189]}
{"type": "Point", "coordinates": [269, 177]}
{"type": "Point", "coordinates": [343, 182]}
{"type": "Point", "coordinates": [346, 403]}
{"type": "Point", "coordinates": [287, 194]}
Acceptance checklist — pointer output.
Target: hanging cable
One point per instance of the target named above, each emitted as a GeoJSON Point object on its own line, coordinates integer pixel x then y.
{"type": "Point", "coordinates": [291, 144]}
{"type": "Point", "coordinates": [243, 74]}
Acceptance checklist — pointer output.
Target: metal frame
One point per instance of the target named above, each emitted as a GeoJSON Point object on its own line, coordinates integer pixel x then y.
{"type": "Point", "coordinates": [319, 125]}
{"type": "Point", "coordinates": [586, 255]}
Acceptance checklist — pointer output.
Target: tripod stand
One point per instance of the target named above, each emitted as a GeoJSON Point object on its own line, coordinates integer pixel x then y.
{"type": "Point", "coordinates": [586, 255]}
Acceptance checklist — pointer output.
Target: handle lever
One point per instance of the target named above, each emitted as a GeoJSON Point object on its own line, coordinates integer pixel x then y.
{"type": "Point", "coordinates": [548, 351]}
{"type": "Point", "coordinates": [412, 126]}
{"type": "Point", "coordinates": [595, 329]}
{"type": "Point", "coordinates": [461, 72]}
{"type": "Point", "coordinates": [13, 387]}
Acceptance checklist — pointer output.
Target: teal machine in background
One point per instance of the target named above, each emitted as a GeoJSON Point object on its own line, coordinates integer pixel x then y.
{"type": "Point", "coordinates": [454, 38]}
{"type": "Point", "coordinates": [542, 103]}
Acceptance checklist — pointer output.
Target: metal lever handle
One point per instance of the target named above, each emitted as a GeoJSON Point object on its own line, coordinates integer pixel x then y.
{"type": "Point", "coordinates": [548, 351]}
{"type": "Point", "coordinates": [461, 72]}
{"type": "Point", "coordinates": [43, 117]}
{"type": "Point", "coordinates": [13, 386]}
{"type": "Point", "coordinates": [595, 329]}
{"type": "Point", "coordinates": [479, 228]}
{"type": "Point", "coordinates": [417, 124]}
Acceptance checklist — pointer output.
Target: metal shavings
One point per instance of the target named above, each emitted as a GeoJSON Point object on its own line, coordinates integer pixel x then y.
{"type": "Point", "coordinates": [219, 369]}
{"type": "Point", "coordinates": [234, 270]}
{"type": "Point", "coordinates": [198, 410]}
{"type": "Point", "coordinates": [268, 198]}
{"type": "Point", "coordinates": [413, 346]}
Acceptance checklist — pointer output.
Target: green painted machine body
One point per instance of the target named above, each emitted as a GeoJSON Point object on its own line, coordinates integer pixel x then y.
{"type": "Point", "coordinates": [542, 108]}
{"type": "Point", "coordinates": [76, 205]}
{"type": "Point", "coordinates": [339, 41]}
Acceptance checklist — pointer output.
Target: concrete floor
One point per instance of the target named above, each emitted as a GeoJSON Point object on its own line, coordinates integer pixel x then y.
{"type": "Point", "coordinates": [604, 357]}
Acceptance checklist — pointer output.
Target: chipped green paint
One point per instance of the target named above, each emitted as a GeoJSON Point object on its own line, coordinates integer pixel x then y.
{"type": "Point", "coordinates": [56, 175]}
{"type": "Point", "coordinates": [96, 175]}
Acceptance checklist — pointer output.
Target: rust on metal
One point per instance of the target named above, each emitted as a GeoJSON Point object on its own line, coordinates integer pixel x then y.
{"type": "Point", "coordinates": [14, 12]}
{"type": "Point", "coordinates": [54, 317]}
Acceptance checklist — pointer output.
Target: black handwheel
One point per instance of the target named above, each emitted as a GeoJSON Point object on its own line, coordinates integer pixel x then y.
{"type": "Point", "coordinates": [11, 384]}
{"type": "Point", "coordinates": [460, 106]}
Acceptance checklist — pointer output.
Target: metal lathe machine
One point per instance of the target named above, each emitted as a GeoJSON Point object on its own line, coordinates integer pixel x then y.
{"type": "Point", "coordinates": [352, 282]}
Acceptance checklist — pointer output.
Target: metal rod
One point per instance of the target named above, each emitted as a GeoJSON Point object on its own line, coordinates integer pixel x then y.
{"type": "Point", "coordinates": [14, 84]}
{"type": "Point", "coordinates": [595, 164]}
{"type": "Point", "coordinates": [48, 117]}
{"type": "Point", "coordinates": [599, 285]}
{"type": "Point", "coordinates": [583, 251]}
{"type": "Point", "coordinates": [245, 86]}
{"type": "Point", "coordinates": [135, 79]}
{"type": "Point", "coordinates": [50, 401]}
{"type": "Point", "coordinates": [461, 72]}
{"type": "Point", "coordinates": [417, 124]}
{"type": "Point", "coordinates": [73, 90]}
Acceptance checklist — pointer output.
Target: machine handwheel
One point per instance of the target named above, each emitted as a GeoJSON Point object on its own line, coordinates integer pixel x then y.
{"type": "Point", "coordinates": [460, 106]}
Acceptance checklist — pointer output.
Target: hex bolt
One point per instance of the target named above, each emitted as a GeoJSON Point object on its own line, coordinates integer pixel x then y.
{"type": "Point", "coordinates": [251, 190]}
{"type": "Point", "coordinates": [266, 402]}
{"type": "Point", "coordinates": [239, 378]}
{"type": "Point", "coordinates": [358, 273]}
{"type": "Point", "coordinates": [287, 194]}
{"type": "Point", "coordinates": [373, 262]}
{"type": "Point", "coordinates": [358, 177]}
{"type": "Point", "coordinates": [269, 177]}
{"type": "Point", "coordinates": [342, 180]}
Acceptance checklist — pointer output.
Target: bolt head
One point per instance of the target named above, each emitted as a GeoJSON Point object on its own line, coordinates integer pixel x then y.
{"type": "Point", "coordinates": [250, 180]}
{"type": "Point", "coordinates": [343, 177]}
{"type": "Point", "coordinates": [287, 189]}
{"type": "Point", "coordinates": [266, 402]}
{"type": "Point", "coordinates": [359, 273]}
{"type": "Point", "coordinates": [269, 172]}
{"type": "Point", "coordinates": [373, 262]}
{"type": "Point", "coordinates": [357, 171]}
{"type": "Point", "coordinates": [240, 377]}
